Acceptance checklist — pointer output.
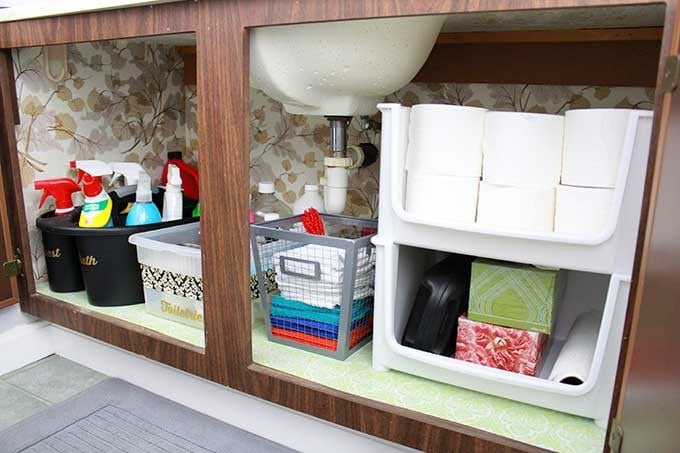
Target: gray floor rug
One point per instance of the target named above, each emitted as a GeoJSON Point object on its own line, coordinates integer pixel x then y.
{"type": "Point", "coordinates": [118, 417]}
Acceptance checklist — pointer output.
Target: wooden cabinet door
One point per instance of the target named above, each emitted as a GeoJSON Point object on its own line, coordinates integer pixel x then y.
{"type": "Point", "coordinates": [9, 293]}
{"type": "Point", "coordinates": [648, 413]}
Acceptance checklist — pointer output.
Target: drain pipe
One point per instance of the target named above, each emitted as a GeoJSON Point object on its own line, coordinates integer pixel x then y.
{"type": "Point", "coordinates": [336, 177]}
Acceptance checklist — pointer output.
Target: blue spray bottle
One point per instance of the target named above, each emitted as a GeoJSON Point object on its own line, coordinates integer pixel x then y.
{"type": "Point", "coordinates": [143, 211]}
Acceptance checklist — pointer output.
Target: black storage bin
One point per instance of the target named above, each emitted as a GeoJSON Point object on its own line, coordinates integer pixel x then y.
{"type": "Point", "coordinates": [61, 255]}
{"type": "Point", "coordinates": [107, 261]}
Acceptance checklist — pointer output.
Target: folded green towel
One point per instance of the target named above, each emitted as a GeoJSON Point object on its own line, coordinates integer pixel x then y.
{"type": "Point", "coordinates": [294, 309]}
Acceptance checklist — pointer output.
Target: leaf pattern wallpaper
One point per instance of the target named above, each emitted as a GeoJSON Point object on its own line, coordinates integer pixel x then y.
{"type": "Point", "coordinates": [125, 100]}
{"type": "Point", "coordinates": [289, 149]}
{"type": "Point", "coordinates": [120, 101]}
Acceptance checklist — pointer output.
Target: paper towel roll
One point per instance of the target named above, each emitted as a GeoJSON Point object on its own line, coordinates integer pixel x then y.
{"type": "Point", "coordinates": [582, 210]}
{"type": "Point", "coordinates": [593, 142]}
{"type": "Point", "coordinates": [440, 197]}
{"type": "Point", "coordinates": [526, 208]}
{"type": "Point", "coordinates": [522, 149]}
{"type": "Point", "coordinates": [572, 365]}
{"type": "Point", "coordinates": [446, 140]}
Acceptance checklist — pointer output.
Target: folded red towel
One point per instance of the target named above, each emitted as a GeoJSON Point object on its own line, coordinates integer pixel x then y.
{"type": "Point", "coordinates": [355, 337]}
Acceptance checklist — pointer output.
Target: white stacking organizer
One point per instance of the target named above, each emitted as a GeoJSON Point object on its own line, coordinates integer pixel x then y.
{"type": "Point", "coordinates": [599, 263]}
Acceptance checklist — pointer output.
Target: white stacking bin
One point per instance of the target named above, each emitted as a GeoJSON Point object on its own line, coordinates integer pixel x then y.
{"type": "Point", "coordinates": [598, 257]}
{"type": "Point", "coordinates": [170, 260]}
{"type": "Point", "coordinates": [610, 250]}
{"type": "Point", "coordinates": [399, 270]}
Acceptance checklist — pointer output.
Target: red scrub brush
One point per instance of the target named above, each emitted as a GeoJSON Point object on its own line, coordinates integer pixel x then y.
{"type": "Point", "coordinates": [312, 222]}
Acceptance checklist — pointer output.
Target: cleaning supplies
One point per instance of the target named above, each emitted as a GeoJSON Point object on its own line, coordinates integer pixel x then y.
{"type": "Point", "coordinates": [267, 203]}
{"type": "Point", "coordinates": [59, 188]}
{"type": "Point", "coordinates": [123, 197]}
{"type": "Point", "coordinates": [143, 212]}
{"type": "Point", "coordinates": [128, 170]}
{"type": "Point", "coordinates": [172, 200]}
{"type": "Point", "coordinates": [442, 297]}
{"type": "Point", "coordinates": [312, 222]}
{"type": "Point", "coordinates": [188, 173]}
{"type": "Point", "coordinates": [310, 199]}
{"type": "Point", "coordinates": [98, 206]}
{"type": "Point", "coordinates": [96, 168]}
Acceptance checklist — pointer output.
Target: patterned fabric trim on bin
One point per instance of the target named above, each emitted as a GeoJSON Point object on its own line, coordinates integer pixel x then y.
{"type": "Point", "coordinates": [172, 282]}
{"type": "Point", "coordinates": [269, 282]}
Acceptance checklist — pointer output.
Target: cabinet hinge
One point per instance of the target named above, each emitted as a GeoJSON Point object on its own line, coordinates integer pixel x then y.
{"type": "Point", "coordinates": [615, 437]}
{"type": "Point", "coordinates": [671, 74]}
{"type": "Point", "coordinates": [12, 268]}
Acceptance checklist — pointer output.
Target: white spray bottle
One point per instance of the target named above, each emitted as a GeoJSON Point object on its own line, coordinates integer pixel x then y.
{"type": "Point", "coordinates": [128, 170]}
{"type": "Point", "coordinates": [172, 200]}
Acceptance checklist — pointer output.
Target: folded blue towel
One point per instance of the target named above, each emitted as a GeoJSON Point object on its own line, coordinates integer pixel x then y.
{"type": "Point", "coordinates": [286, 308]}
{"type": "Point", "coordinates": [320, 329]}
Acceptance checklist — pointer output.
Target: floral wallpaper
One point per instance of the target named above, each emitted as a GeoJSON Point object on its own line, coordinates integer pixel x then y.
{"type": "Point", "coordinates": [125, 100]}
{"type": "Point", "coordinates": [289, 149]}
{"type": "Point", "coordinates": [120, 101]}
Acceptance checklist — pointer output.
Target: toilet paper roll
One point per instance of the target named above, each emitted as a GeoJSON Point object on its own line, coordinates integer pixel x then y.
{"type": "Point", "coordinates": [525, 208]}
{"type": "Point", "coordinates": [446, 140]}
{"type": "Point", "coordinates": [573, 363]}
{"type": "Point", "coordinates": [438, 197]}
{"type": "Point", "coordinates": [593, 143]}
{"type": "Point", "coordinates": [582, 210]}
{"type": "Point", "coordinates": [522, 149]}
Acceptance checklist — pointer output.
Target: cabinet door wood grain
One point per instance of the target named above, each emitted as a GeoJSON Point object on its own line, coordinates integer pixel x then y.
{"type": "Point", "coordinates": [9, 293]}
{"type": "Point", "coordinates": [649, 405]}
{"type": "Point", "coordinates": [9, 289]}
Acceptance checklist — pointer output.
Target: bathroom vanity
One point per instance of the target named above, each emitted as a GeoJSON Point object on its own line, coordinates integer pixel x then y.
{"type": "Point", "coordinates": [561, 42]}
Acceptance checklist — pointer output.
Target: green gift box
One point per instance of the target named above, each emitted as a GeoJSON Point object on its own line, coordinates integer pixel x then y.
{"type": "Point", "coordinates": [514, 295]}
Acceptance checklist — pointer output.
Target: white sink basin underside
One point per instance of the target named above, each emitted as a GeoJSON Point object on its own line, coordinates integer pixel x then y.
{"type": "Point", "coordinates": [339, 68]}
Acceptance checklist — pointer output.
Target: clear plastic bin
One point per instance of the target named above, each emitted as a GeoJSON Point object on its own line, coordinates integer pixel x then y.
{"type": "Point", "coordinates": [170, 261]}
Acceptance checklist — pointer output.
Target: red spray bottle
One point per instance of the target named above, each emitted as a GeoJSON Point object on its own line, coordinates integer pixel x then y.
{"type": "Point", "coordinates": [59, 188]}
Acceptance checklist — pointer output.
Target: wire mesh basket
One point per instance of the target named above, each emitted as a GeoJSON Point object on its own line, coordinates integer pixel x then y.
{"type": "Point", "coordinates": [322, 297]}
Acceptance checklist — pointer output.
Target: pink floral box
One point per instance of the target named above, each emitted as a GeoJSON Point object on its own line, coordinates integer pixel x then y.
{"type": "Point", "coordinates": [500, 347]}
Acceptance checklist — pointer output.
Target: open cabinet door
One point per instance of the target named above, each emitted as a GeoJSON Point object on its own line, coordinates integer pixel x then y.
{"type": "Point", "coordinates": [649, 406]}
{"type": "Point", "coordinates": [9, 293]}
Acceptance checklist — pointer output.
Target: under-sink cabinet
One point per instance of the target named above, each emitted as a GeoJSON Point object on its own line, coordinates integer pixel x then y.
{"type": "Point", "coordinates": [144, 81]}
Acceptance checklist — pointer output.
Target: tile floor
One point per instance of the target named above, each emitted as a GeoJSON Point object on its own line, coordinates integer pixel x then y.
{"type": "Point", "coordinates": [30, 389]}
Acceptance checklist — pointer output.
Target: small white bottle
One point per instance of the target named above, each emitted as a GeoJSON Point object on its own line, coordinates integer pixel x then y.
{"type": "Point", "coordinates": [172, 200]}
{"type": "Point", "coordinates": [310, 199]}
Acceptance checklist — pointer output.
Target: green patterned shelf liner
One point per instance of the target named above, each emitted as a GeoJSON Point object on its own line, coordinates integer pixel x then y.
{"type": "Point", "coordinates": [533, 425]}
{"type": "Point", "coordinates": [134, 314]}
{"type": "Point", "coordinates": [514, 295]}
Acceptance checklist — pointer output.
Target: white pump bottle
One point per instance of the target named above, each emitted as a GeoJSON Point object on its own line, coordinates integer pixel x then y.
{"type": "Point", "coordinates": [172, 200]}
